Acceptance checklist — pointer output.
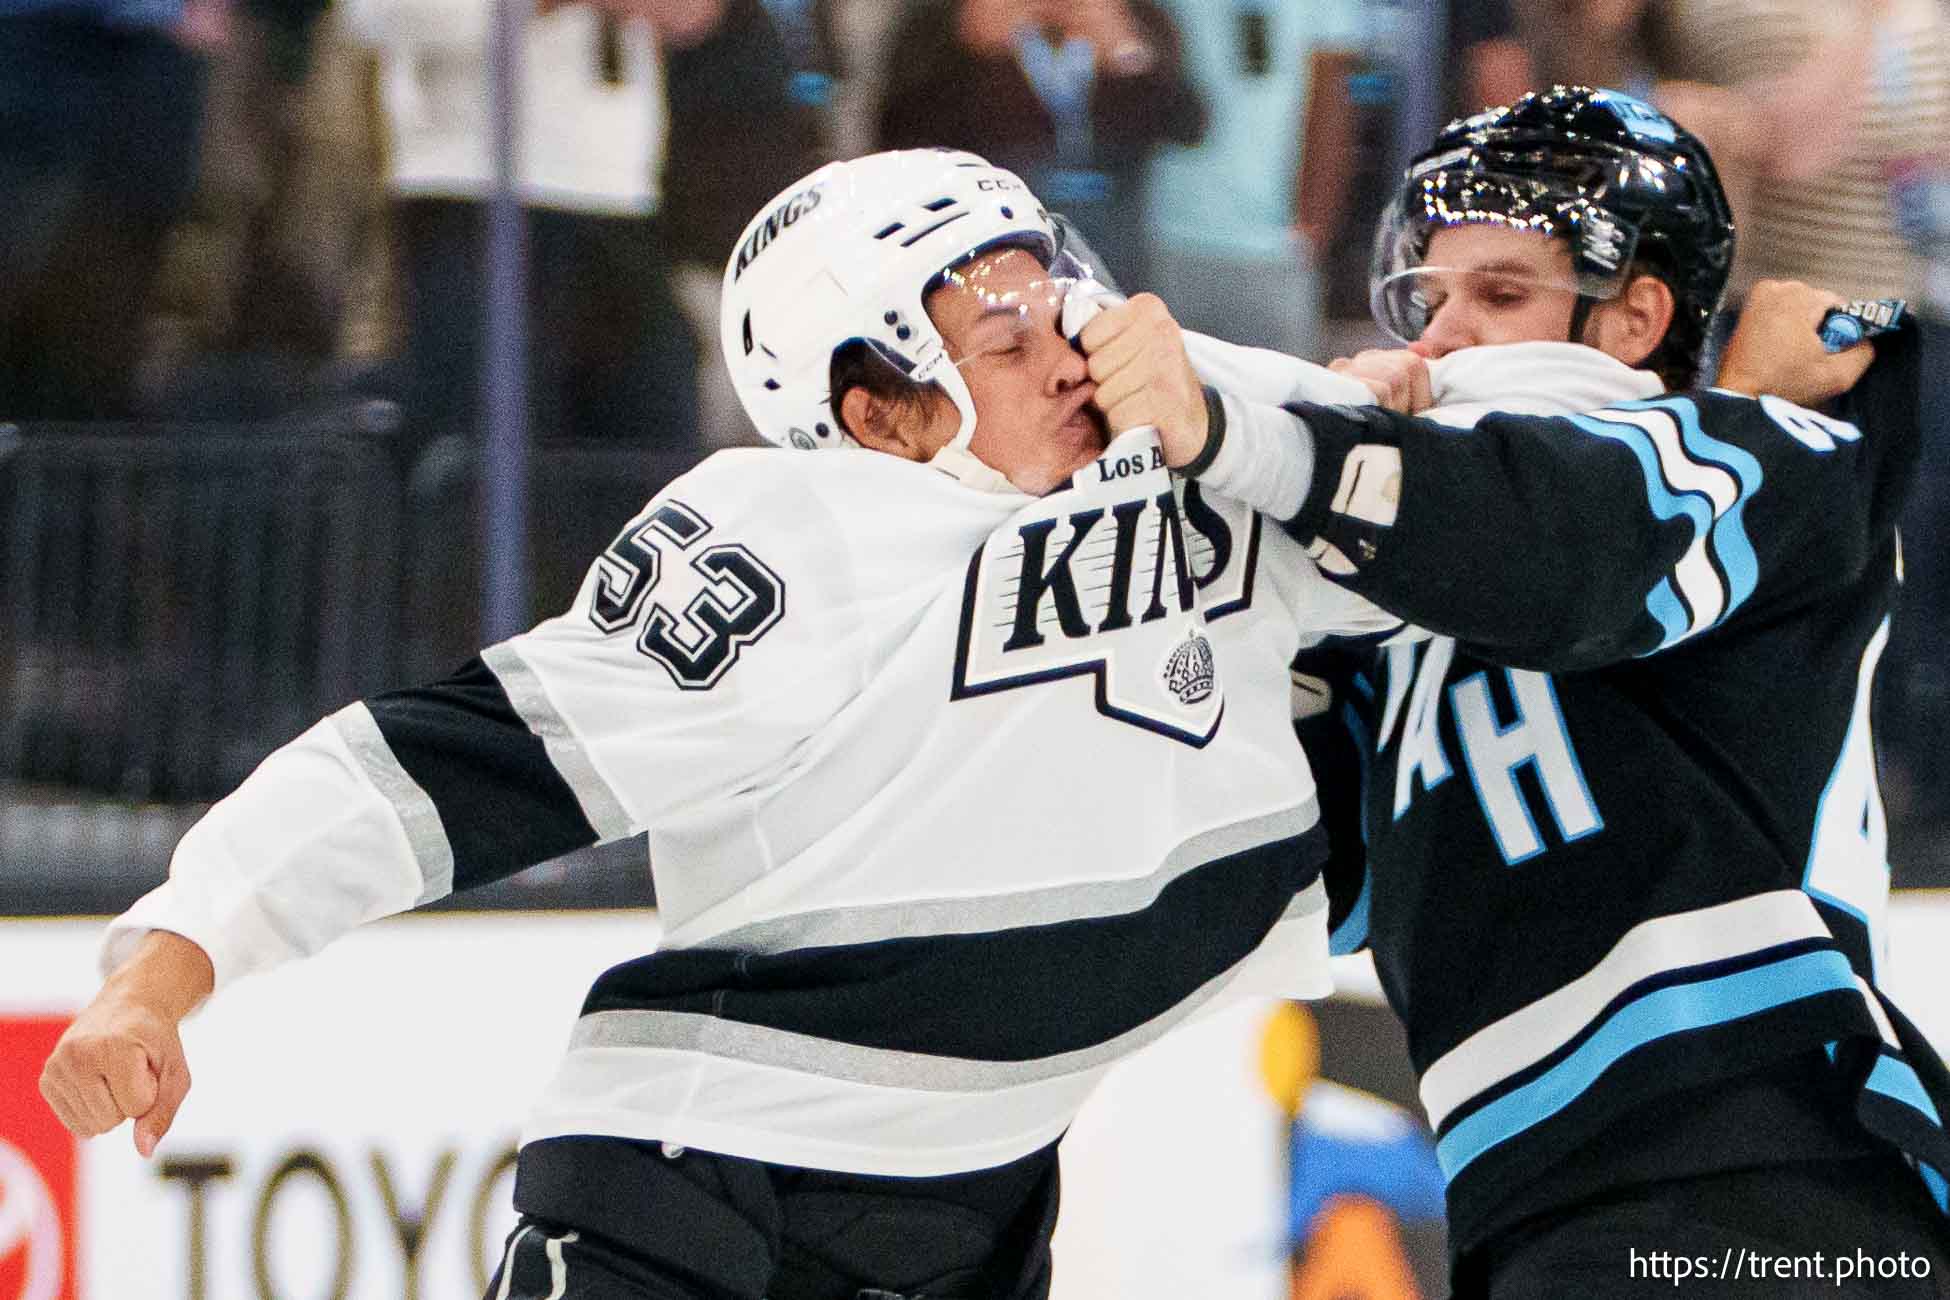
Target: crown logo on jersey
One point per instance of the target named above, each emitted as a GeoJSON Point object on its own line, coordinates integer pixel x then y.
{"type": "Point", "coordinates": [1190, 673]}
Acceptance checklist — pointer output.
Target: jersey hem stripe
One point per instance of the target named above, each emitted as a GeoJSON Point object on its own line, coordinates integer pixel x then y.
{"type": "Point", "coordinates": [738, 1040]}
{"type": "Point", "coordinates": [1651, 948]}
{"type": "Point", "coordinates": [926, 918]}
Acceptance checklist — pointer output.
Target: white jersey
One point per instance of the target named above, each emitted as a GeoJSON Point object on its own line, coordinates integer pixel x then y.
{"type": "Point", "coordinates": [954, 798]}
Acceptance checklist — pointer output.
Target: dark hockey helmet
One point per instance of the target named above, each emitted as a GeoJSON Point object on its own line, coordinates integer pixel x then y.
{"type": "Point", "coordinates": [1610, 175]}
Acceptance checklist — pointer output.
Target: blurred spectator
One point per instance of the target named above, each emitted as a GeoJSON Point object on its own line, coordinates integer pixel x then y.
{"type": "Point", "coordinates": [1072, 95]}
{"type": "Point", "coordinates": [1240, 219]}
{"type": "Point", "coordinates": [1423, 62]}
{"type": "Point", "coordinates": [1830, 120]}
{"type": "Point", "coordinates": [278, 277]}
{"type": "Point", "coordinates": [1488, 62]}
{"type": "Point", "coordinates": [749, 113]}
{"type": "Point", "coordinates": [610, 354]}
{"type": "Point", "coordinates": [100, 106]}
{"type": "Point", "coordinates": [863, 32]}
{"type": "Point", "coordinates": [810, 32]}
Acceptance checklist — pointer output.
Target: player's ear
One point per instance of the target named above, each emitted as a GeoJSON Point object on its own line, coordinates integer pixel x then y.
{"type": "Point", "coordinates": [877, 423]}
{"type": "Point", "coordinates": [1632, 325]}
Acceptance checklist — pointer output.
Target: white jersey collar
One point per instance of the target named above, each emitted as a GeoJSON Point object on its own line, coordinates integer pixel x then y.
{"type": "Point", "coordinates": [1532, 379]}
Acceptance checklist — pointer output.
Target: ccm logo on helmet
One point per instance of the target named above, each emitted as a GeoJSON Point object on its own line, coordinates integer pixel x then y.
{"type": "Point", "coordinates": [780, 219]}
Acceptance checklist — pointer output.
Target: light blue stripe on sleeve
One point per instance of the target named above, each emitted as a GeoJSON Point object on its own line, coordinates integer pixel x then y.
{"type": "Point", "coordinates": [1939, 1189]}
{"type": "Point", "coordinates": [1730, 541]}
{"type": "Point", "coordinates": [1351, 935]}
{"type": "Point", "coordinates": [1661, 602]}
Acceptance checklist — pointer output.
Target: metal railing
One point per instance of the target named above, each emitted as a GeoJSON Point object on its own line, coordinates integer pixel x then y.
{"type": "Point", "coordinates": [175, 603]}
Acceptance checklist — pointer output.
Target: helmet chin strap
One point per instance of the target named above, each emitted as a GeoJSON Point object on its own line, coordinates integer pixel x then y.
{"type": "Point", "coordinates": [970, 470]}
{"type": "Point", "coordinates": [1580, 317]}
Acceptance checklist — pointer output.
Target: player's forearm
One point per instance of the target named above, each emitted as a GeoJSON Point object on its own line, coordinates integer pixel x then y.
{"type": "Point", "coordinates": [1517, 542]}
{"type": "Point", "coordinates": [1527, 536]}
{"type": "Point", "coordinates": [304, 851]}
{"type": "Point", "coordinates": [1268, 377]}
{"type": "Point", "coordinates": [165, 972]}
{"type": "Point", "coordinates": [1254, 453]}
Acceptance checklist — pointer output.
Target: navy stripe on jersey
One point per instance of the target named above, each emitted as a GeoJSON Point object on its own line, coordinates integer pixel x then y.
{"type": "Point", "coordinates": [1018, 995]}
{"type": "Point", "coordinates": [501, 801]}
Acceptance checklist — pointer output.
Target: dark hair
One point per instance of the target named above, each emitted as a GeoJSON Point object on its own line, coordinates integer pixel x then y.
{"type": "Point", "coordinates": [858, 364]}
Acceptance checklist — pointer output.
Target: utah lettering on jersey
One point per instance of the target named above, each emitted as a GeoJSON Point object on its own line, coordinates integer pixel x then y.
{"type": "Point", "coordinates": [1115, 578]}
{"type": "Point", "coordinates": [1496, 740]}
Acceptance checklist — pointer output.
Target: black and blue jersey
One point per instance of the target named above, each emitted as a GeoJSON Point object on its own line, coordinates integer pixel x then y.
{"type": "Point", "coordinates": [1618, 836]}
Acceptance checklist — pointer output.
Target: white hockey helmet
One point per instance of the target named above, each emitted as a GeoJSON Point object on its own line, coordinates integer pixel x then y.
{"type": "Point", "coordinates": [847, 255]}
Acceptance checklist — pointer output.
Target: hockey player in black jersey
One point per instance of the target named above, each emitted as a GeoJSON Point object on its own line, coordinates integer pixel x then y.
{"type": "Point", "coordinates": [1619, 853]}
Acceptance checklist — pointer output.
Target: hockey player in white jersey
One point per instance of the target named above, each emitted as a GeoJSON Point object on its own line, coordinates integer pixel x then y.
{"type": "Point", "coordinates": [962, 750]}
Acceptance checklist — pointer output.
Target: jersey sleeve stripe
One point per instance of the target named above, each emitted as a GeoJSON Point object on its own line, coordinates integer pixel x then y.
{"type": "Point", "coordinates": [1731, 545]}
{"type": "Point", "coordinates": [530, 701]}
{"type": "Point", "coordinates": [417, 815]}
{"type": "Point", "coordinates": [501, 801]}
{"type": "Point", "coordinates": [1675, 485]}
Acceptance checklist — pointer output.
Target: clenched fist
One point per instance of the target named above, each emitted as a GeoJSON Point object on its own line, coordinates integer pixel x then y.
{"type": "Point", "coordinates": [1143, 377]}
{"type": "Point", "coordinates": [121, 1058]}
{"type": "Point", "coordinates": [1398, 377]}
{"type": "Point", "coordinates": [1776, 350]}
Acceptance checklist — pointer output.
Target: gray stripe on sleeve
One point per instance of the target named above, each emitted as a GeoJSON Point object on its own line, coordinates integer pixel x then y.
{"type": "Point", "coordinates": [425, 835]}
{"type": "Point", "coordinates": [530, 701]}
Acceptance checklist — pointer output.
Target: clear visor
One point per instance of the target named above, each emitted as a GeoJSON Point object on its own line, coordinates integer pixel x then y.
{"type": "Point", "coordinates": [1406, 301]}
{"type": "Point", "coordinates": [1541, 245]}
{"type": "Point", "coordinates": [1011, 322]}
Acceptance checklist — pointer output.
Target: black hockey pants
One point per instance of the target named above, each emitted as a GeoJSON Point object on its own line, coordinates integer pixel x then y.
{"type": "Point", "coordinates": [610, 1219]}
{"type": "Point", "coordinates": [1861, 1229]}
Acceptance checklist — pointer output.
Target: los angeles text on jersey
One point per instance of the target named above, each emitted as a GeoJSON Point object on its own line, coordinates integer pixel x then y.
{"type": "Point", "coordinates": [1115, 578]}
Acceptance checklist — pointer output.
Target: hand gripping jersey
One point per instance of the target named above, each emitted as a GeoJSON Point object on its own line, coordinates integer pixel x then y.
{"type": "Point", "coordinates": [1622, 832]}
{"type": "Point", "coordinates": [954, 798]}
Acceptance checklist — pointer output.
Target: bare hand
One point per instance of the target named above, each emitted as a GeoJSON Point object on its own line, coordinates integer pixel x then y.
{"type": "Point", "coordinates": [1776, 350]}
{"type": "Point", "coordinates": [1137, 358]}
{"type": "Point", "coordinates": [1398, 378]}
{"type": "Point", "coordinates": [122, 1058]}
